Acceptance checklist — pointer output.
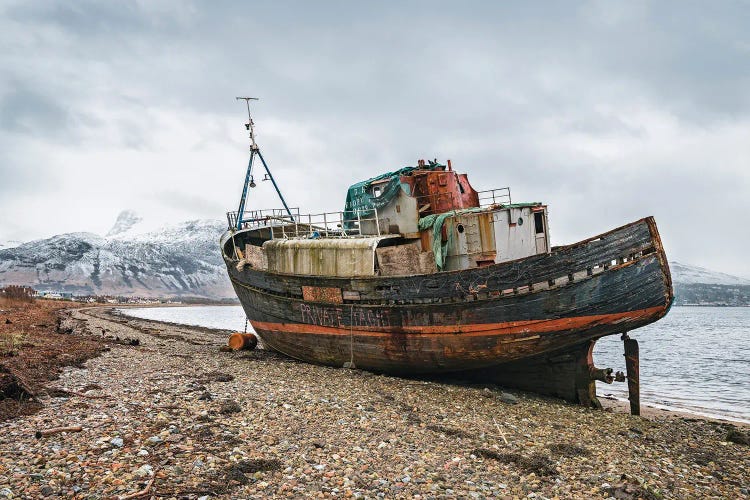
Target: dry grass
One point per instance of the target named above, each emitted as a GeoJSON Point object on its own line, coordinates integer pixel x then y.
{"type": "Point", "coordinates": [32, 352]}
{"type": "Point", "coordinates": [11, 343]}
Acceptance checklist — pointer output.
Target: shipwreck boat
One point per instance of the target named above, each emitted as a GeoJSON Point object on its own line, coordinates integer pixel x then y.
{"type": "Point", "coordinates": [423, 274]}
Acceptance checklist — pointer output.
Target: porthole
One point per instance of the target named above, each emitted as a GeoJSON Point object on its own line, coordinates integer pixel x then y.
{"type": "Point", "coordinates": [520, 221]}
{"type": "Point", "coordinates": [460, 228]}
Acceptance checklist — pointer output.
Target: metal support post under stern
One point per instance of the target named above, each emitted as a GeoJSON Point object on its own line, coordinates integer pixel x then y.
{"type": "Point", "coordinates": [633, 369]}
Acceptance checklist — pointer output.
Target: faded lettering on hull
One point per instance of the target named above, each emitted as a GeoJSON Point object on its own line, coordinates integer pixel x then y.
{"type": "Point", "coordinates": [344, 317]}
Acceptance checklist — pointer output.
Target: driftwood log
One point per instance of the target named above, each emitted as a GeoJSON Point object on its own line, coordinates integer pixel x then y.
{"type": "Point", "coordinates": [143, 492]}
{"type": "Point", "coordinates": [56, 430]}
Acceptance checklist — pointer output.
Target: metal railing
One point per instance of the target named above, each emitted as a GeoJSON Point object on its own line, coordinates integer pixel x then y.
{"type": "Point", "coordinates": [344, 224]}
{"type": "Point", "coordinates": [490, 197]}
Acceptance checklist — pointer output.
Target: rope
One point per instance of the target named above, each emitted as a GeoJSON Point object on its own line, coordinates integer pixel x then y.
{"type": "Point", "coordinates": [245, 325]}
{"type": "Point", "coordinates": [351, 337]}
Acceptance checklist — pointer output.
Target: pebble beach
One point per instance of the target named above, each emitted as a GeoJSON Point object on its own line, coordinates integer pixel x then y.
{"type": "Point", "coordinates": [165, 413]}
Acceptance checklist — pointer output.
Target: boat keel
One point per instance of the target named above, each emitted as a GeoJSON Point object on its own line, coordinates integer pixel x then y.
{"type": "Point", "coordinates": [569, 374]}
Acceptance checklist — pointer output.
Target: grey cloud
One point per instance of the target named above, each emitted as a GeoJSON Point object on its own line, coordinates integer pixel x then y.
{"type": "Point", "coordinates": [497, 87]}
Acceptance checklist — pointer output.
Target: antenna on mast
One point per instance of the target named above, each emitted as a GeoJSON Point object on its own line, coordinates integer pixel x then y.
{"type": "Point", "coordinates": [249, 181]}
{"type": "Point", "coordinates": [250, 125]}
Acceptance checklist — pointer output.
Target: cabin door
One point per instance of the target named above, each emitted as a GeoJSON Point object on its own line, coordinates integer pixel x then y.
{"type": "Point", "coordinates": [540, 230]}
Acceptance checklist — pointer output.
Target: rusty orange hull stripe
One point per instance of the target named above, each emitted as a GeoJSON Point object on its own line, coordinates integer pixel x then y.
{"type": "Point", "coordinates": [507, 328]}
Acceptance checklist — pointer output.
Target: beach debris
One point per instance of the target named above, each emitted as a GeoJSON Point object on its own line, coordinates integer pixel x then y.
{"type": "Point", "coordinates": [205, 396]}
{"type": "Point", "coordinates": [537, 463]}
{"type": "Point", "coordinates": [568, 450]}
{"type": "Point", "coordinates": [229, 407]}
{"type": "Point", "coordinates": [449, 431]}
{"type": "Point", "coordinates": [12, 387]}
{"type": "Point", "coordinates": [216, 377]}
{"type": "Point", "coordinates": [502, 434]}
{"type": "Point", "coordinates": [57, 430]}
{"type": "Point", "coordinates": [735, 436]}
{"type": "Point", "coordinates": [242, 341]}
{"type": "Point", "coordinates": [145, 491]}
{"type": "Point", "coordinates": [507, 397]}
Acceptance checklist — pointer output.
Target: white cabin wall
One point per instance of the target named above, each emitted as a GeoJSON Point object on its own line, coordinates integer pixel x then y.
{"type": "Point", "coordinates": [401, 212]}
{"type": "Point", "coordinates": [514, 240]}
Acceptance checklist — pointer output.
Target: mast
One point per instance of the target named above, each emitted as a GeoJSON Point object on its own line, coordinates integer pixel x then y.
{"type": "Point", "coordinates": [249, 181]}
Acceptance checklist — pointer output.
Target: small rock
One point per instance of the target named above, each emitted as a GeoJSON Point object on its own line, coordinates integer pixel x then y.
{"type": "Point", "coordinates": [206, 396]}
{"type": "Point", "coordinates": [223, 377]}
{"type": "Point", "coordinates": [6, 493]}
{"type": "Point", "coordinates": [506, 397]}
{"type": "Point", "coordinates": [144, 471]}
{"type": "Point", "coordinates": [143, 453]}
{"type": "Point", "coordinates": [8, 322]}
{"type": "Point", "coordinates": [117, 442]}
{"type": "Point", "coordinates": [46, 491]}
{"type": "Point", "coordinates": [154, 440]}
{"type": "Point", "coordinates": [228, 407]}
{"type": "Point", "coordinates": [174, 438]}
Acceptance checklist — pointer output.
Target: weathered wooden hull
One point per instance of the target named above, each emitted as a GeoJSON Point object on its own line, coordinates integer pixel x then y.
{"type": "Point", "coordinates": [473, 320]}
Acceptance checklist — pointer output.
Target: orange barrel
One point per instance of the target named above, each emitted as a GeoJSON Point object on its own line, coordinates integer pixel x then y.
{"type": "Point", "coordinates": [238, 341]}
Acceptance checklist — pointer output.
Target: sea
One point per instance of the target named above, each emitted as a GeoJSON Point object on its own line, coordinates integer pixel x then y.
{"type": "Point", "coordinates": [696, 359]}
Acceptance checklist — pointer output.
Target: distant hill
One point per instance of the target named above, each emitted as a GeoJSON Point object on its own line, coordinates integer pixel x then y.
{"type": "Point", "coordinates": [174, 261]}
{"type": "Point", "coordinates": [697, 285]}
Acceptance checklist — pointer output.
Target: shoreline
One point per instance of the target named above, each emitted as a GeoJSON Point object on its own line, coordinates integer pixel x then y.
{"type": "Point", "coordinates": [164, 409]}
{"type": "Point", "coordinates": [613, 403]}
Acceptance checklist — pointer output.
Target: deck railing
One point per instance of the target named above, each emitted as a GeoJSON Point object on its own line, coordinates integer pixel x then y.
{"type": "Point", "coordinates": [323, 225]}
{"type": "Point", "coordinates": [500, 196]}
{"type": "Point", "coordinates": [342, 224]}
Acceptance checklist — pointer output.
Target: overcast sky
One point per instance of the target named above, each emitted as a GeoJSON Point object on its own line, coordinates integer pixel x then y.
{"type": "Point", "coordinates": [607, 111]}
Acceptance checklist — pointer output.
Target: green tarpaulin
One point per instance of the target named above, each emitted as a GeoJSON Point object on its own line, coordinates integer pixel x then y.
{"type": "Point", "coordinates": [360, 203]}
{"type": "Point", "coordinates": [436, 221]}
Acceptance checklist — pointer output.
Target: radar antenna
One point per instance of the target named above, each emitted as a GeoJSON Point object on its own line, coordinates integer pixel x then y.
{"type": "Point", "coordinates": [249, 181]}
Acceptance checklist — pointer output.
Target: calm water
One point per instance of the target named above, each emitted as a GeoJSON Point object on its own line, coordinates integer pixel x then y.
{"type": "Point", "coordinates": [697, 358]}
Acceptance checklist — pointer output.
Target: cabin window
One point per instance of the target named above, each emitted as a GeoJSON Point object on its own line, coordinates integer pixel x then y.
{"type": "Point", "coordinates": [538, 223]}
{"type": "Point", "coordinates": [376, 191]}
{"type": "Point", "coordinates": [461, 187]}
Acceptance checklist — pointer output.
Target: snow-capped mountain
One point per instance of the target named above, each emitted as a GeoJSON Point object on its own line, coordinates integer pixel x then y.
{"type": "Point", "coordinates": [177, 260]}
{"type": "Point", "coordinates": [689, 275]}
{"type": "Point", "coordinates": [125, 221]}
{"type": "Point", "coordinates": [9, 244]}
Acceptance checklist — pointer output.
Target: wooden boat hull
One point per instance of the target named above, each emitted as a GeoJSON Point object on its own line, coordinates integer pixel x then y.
{"type": "Point", "coordinates": [477, 319]}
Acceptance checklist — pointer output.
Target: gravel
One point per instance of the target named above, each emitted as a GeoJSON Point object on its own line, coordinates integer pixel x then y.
{"type": "Point", "coordinates": [207, 424]}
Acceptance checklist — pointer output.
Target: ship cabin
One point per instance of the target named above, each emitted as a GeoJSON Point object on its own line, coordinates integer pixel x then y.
{"type": "Point", "coordinates": [414, 221]}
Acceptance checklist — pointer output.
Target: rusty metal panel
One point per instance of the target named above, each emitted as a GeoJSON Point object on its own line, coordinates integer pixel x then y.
{"type": "Point", "coordinates": [322, 294]}
{"type": "Point", "coordinates": [486, 232]}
